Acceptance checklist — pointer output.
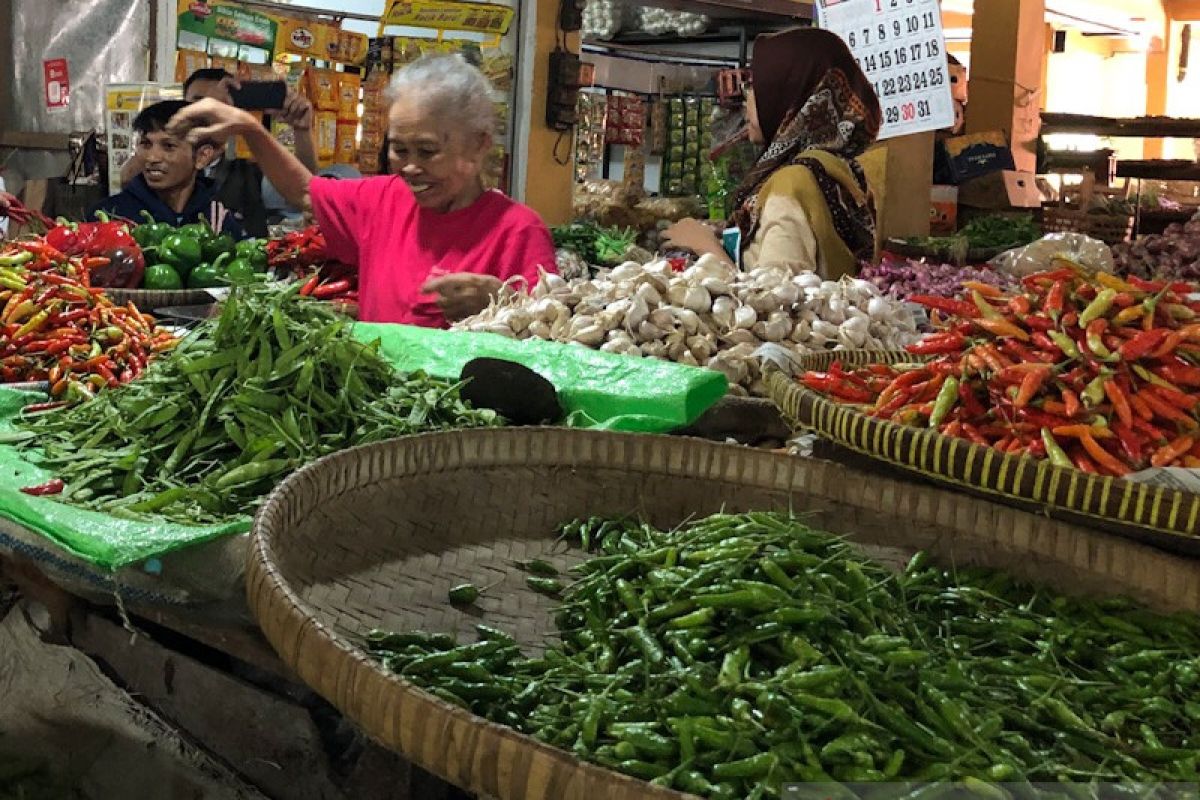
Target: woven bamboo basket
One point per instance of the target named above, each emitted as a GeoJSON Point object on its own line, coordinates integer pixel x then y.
{"type": "Point", "coordinates": [148, 299]}
{"type": "Point", "coordinates": [1165, 518]}
{"type": "Point", "coordinates": [1108, 228]}
{"type": "Point", "coordinates": [374, 537]}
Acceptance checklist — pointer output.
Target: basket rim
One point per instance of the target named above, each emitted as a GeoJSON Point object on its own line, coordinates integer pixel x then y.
{"type": "Point", "coordinates": [312, 648]}
{"type": "Point", "coordinates": [790, 394]}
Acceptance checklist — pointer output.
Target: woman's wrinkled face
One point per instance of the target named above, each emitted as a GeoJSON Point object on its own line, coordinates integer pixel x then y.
{"type": "Point", "coordinates": [753, 128]}
{"type": "Point", "coordinates": [440, 162]}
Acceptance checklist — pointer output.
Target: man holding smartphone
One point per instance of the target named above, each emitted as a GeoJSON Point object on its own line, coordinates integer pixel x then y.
{"type": "Point", "coordinates": [239, 182]}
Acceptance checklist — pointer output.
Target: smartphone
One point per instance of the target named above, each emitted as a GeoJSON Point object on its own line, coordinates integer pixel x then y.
{"type": "Point", "coordinates": [260, 95]}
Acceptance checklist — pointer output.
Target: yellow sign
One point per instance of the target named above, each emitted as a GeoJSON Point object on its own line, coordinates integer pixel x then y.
{"type": "Point", "coordinates": [450, 15]}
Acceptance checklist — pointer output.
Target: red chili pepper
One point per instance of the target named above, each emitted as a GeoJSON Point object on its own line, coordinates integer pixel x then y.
{"type": "Point", "coordinates": [52, 486]}
{"type": "Point", "coordinates": [958, 308]}
{"type": "Point", "coordinates": [1031, 384]}
{"type": "Point", "coordinates": [1071, 404]}
{"type": "Point", "coordinates": [1165, 410]}
{"type": "Point", "coordinates": [1174, 397]}
{"type": "Point", "coordinates": [966, 396]}
{"type": "Point", "coordinates": [37, 408]}
{"type": "Point", "coordinates": [1178, 374]}
{"type": "Point", "coordinates": [331, 289]}
{"type": "Point", "coordinates": [310, 285]}
{"type": "Point", "coordinates": [1038, 323]}
{"type": "Point", "coordinates": [1120, 402]}
{"type": "Point", "coordinates": [1170, 453]}
{"type": "Point", "coordinates": [1142, 343]}
{"type": "Point", "coordinates": [1056, 298]}
{"type": "Point", "coordinates": [1131, 443]}
{"type": "Point", "coordinates": [1102, 457]}
{"type": "Point", "coordinates": [1070, 319]}
{"type": "Point", "coordinates": [938, 344]}
{"type": "Point", "coordinates": [1083, 463]}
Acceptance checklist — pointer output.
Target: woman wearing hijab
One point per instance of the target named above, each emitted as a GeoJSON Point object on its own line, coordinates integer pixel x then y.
{"type": "Point", "coordinates": [805, 204]}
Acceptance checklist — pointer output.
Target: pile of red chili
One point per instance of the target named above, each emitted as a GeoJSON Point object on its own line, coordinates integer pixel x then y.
{"type": "Point", "coordinates": [1097, 373]}
{"type": "Point", "coordinates": [55, 327]}
{"type": "Point", "coordinates": [302, 252]}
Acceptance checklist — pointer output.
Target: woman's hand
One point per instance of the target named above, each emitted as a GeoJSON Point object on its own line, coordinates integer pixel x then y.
{"type": "Point", "coordinates": [690, 234]}
{"type": "Point", "coordinates": [462, 295]}
{"type": "Point", "coordinates": [7, 201]}
{"type": "Point", "coordinates": [211, 120]}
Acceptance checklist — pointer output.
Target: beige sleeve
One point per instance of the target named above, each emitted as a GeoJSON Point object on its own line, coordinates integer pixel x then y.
{"type": "Point", "coordinates": [785, 235]}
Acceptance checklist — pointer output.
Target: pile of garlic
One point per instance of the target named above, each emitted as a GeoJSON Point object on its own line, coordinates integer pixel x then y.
{"type": "Point", "coordinates": [603, 19]}
{"type": "Point", "coordinates": [707, 316]}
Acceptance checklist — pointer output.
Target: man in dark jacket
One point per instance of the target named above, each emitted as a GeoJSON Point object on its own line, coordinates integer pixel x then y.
{"type": "Point", "coordinates": [238, 181]}
{"type": "Point", "coordinates": [170, 187]}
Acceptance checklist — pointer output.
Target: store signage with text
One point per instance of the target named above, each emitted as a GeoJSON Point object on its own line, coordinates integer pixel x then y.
{"type": "Point", "coordinates": [900, 46]}
{"type": "Point", "coordinates": [450, 15]}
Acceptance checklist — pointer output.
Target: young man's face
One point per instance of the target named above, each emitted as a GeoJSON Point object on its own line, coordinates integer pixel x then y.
{"type": "Point", "coordinates": [170, 162]}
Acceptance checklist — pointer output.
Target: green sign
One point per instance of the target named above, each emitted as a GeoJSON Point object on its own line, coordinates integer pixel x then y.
{"type": "Point", "coordinates": [212, 28]}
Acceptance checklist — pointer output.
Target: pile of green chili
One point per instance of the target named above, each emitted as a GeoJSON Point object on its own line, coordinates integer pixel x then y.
{"type": "Point", "coordinates": [274, 382]}
{"type": "Point", "coordinates": [741, 653]}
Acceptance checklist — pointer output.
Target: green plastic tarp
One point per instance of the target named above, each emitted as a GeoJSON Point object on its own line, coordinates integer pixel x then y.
{"type": "Point", "coordinates": [597, 389]}
{"type": "Point", "coordinates": [101, 539]}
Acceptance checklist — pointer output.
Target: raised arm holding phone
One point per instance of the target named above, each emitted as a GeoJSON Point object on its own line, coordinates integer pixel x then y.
{"type": "Point", "coordinates": [238, 181]}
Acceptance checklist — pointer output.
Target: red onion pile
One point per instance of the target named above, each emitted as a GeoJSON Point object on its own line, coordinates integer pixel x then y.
{"type": "Point", "coordinates": [900, 277]}
{"type": "Point", "coordinates": [1175, 255]}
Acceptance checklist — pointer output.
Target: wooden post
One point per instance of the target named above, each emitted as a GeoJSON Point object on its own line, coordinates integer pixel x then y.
{"type": "Point", "coordinates": [900, 173]}
{"type": "Point", "coordinates": [548, 183]}
{"type": "Point", "coordinates": [1158, 78]}
{"type": "Point", "coordinates": [1006, 73]}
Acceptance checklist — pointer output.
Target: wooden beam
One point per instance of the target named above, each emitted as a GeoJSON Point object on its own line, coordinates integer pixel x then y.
{"type": "Point", "coordinates": [1006, 74]}
{"type": "Point", "coordinates": [1182, 10]}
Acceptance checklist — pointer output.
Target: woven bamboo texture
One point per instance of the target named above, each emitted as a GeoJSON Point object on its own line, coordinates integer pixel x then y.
{"type": "Point", "coordinates": [1161, 516]}
{"type": "Point", "coordinates": [148, 299]}
{"type": "Point", "coordinates": [1108, 228]}
{"type": "Point", "coordinates": [374, 537]}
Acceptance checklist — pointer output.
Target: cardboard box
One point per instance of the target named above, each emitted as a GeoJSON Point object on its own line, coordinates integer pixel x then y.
{"type": "Point", "coordinates": [943, 210]}
{"type": "Point", "coordinates": [1001, 190]}
{"type": "Point", "coordinates": [965, 157]}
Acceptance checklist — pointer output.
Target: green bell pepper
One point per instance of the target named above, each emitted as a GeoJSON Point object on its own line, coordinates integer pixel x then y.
{"type": "Point", "coordinates": [239, 271]}
{"type": "Point", "coordinates": [216, 246]}
{"type": "Point", "coordinates": [162, 277]}
{"type": "Point", "coordinates": [255, 252]}
{"type": "Point", "coordinates": [180, 251]}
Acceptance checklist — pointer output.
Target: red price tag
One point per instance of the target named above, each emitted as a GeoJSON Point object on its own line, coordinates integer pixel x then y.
{"type": "Point", "coordinates": [57, 81]}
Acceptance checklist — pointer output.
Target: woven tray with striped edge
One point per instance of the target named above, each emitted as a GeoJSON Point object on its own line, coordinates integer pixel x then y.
{"type": "Point", "coordinates": [1161, 516]}
{"type": "Point", "coordinates": [374, 537]}
{"type": "Point", "coordinates": [147, 300]}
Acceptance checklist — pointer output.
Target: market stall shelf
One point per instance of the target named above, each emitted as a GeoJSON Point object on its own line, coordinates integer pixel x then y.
{"type": "Point", "coordinates": [1156, 515]}
{"type": "Point", "coordinates": [372, 539]}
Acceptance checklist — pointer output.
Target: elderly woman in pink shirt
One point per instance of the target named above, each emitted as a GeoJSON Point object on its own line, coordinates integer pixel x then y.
{"type": "Point", "coordinates": [431, 244]}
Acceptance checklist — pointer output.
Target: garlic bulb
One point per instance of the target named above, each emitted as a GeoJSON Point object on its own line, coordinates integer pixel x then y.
{"type": "Point", "coordinates": [708, 315]}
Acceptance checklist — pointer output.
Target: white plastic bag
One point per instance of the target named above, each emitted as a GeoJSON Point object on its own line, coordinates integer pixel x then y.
{"type": "Point", "coordinates": [1090, 253]}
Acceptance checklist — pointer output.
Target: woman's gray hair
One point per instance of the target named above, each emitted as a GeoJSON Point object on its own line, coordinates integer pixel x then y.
{"type": "Point", "coordinates": [452, 88]}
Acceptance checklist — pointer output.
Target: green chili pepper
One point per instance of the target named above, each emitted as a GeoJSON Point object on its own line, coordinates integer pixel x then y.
{"type": "Point", "coordinates": [1064, 343]}
{"type": "Point", "coordinates": [464, 594]}
{"type": "Point", "coordinates": [546, 586]}
{"type": "Point", "coordinates": [946, 399]}
{"type": "Point", "coordinates": [1098, 307]}
{"type": "Point", "coordinates": [1058, 457]}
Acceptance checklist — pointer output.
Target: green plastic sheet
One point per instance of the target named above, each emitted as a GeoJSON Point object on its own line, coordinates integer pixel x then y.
{"type": "Point", "coordinates": [597, 389]}
{"type": "Point", "coordinates": [108, 542]}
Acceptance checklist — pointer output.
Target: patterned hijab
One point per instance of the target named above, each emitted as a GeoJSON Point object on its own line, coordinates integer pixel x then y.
{"type": "Point", "coordinates": [811, 95]}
